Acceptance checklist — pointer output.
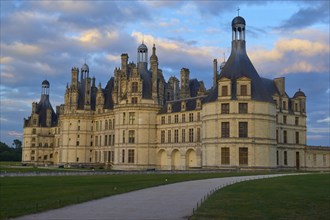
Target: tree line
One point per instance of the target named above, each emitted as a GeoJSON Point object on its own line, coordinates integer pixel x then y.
{"type": "Point", "coordinates": [13, 153]}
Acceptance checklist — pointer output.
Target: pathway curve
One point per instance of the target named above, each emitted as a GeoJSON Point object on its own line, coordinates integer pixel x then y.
{"type": "Point", "coordinates": [173, 202]}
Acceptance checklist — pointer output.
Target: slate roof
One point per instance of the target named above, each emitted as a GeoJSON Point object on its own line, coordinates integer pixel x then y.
{"type": "Point", "coordinates": [176, 105]}
{"type": "Point", "coordinates": [107, 91]}
{"type": "Point", "coordinates": [42, 107]}
{"type": "Point", "coordinates": [239, 65]}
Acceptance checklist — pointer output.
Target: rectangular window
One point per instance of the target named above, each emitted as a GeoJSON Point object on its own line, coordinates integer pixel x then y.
{"type": "Point", "coordinates": [224, 91]}
{"type": "Point", "coordinates": [198, 116]}
{"type": "Point", "coordinates": [96, 141]}
{"type": "Point", "coordinates": [285, 158]}
{"type": "Point", "coordinates": [243, 129]}
{"type": "Point", "coordinates": [243, 108]}
{"type": "Point", "coordinates": [34, 131]}
{"type": "Point", "coordinates": [296, 107]}
{"type": "Point", "coordinates": [198, 134]}
{"type": "Point", "coordinates": [191, 117]}
{"type": "Point", "coordinates": [105, 140]}
{"type": "Point", "coordinates": [243, 156]}
{"type": "Point", "coordinates": [124, 134]}
{"type": "Point", "coordinates": [191, 135]}
{"type": "Point", "coordinates": [134, 100]}
{"type": "Point", "coordinates": [225, 108]}
{"type": "Point", "coordinates": [297, 137]}
{"type": "Point", "coordinates": [163, 120]}
{"type": "Point", "coordinates": [97, 126]}
{"type": "Point", "coordinates": [277, 161]}
{"type": "Point", "coordinates": [183, 135]}
{"type": "Point", "coordinates": [176, 118]}
{"type": "Point", "coordinates": [284, 119]}
{"type": "Point", "coordinates": [131, 117]}
{"type": "Point", "coordinates": [183, 118]}
{"type": "Point", "coordinates": [244, 90]}
{"type": "Point", "coordinates": [176, 136]}
{"type": "Point", "coordinates": [131, 136]}
{"type": "Point", "coordinates": [285, 137]}
{"type": "Point", "coordinates": [77, 143]}
{"type": "Point", "coordinates": [124, 118]}
{"type": "Point", "coordinates": [169, 136]}
{"type": "Point", "coordinates": [162, 137]}
{"type": "Point", "coordinates": [78, 128]}
{"type": "Point", "coordinates": [277, 136]}
{"type": "Point", "coordinates": [134, 87]}
{"type": "Point", "coordinates": [130, 156]}
{"type": "Point", "coordinates": [110, 140]}
{"type": "Point", "coordinates": [123, 156]}
{"type": "Point", "coordinates": [225, 156]}
{"type": "Point", "coordinates": [284, 105]}
{"type": "Point", "coordinates": [169, 119]}
{"type": "Point", "coordinates": [225, 130]}
{"type": "Point", "coordinates": [296, 121]}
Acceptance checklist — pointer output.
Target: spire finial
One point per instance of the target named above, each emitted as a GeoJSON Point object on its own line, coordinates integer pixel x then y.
{"type": "Point", "coordinates": [238, 11]}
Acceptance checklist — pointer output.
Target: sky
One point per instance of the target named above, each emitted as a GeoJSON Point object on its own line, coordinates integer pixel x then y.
{"type": "Point", "coordinates": [44, 39]}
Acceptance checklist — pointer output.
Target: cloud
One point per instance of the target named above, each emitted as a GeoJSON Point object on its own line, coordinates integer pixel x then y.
{"type": "Point", "coordinates": [307, 16]}
{"type": "Point", "coordinates": [292, 55]}
{"type": "Point", "coordinates": [326, 120]}
{"type": "Point", "coordinates": [15, 134]}
{"type": "Point", "coordinates": [318, 130]}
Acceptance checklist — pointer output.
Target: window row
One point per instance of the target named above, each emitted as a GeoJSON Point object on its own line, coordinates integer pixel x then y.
{"type": "Point", "coordinates": [108, 140]}
{"type": "Point", "coordinates": [131, 136]}
{"type": "Point", "coordinates": [189, 138]}
{"type": "Point", "coordinates": [242, 129]}
{"type": "Point", "coordinates": [243, 155]}
{"type": "Point", "coordinates": [108, 125]}
{"type": "Point", "coordinates": [286, 121]}
{"type": "Point", "coordinates": [242, 108]}
{"type": "Point", "coordinates": [130, 158]}
{"type": "Point", "coordinates": [183, 119]}
{"type": "Point", "coordinates": [131, 118]}
{"type": "Point", "coordinates": [285, 138]}
{"type": "Point", "coordinates": [242, 90]}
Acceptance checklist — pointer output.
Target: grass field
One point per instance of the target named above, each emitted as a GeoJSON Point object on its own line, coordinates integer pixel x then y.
{"type": "Point", "coordinates": [289, 197]}
{"type": "Point", "coordinates": [24, 195]}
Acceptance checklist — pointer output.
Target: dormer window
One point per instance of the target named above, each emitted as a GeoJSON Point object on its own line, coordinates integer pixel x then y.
{"type": "Point", "coordinates": [169, 108]}
{"type": "Point", "coordinates": [224, 90]}
{"type": "Point", "coordinates": [183, 106]}
{"type": "Point", "coordinates": [198, 104]}
{"type": "Point", "coordinates": [244, 90]}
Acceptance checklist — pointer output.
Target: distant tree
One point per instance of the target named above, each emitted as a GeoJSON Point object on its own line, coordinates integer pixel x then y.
{"type": "Point", "coordinates": [9, 153]}
{"type": "Point", "coordinates": [17, 143]}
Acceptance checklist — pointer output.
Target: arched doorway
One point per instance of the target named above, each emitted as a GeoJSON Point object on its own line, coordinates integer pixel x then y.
{"type": "Point", "coordinates": [175, 160]}
{"type": "Point", "coordinates": [191, 158]}
{"type": "Point", "coordinates": [162, 159]}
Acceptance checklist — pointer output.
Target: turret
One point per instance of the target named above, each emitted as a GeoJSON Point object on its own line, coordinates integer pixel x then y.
{"type": "Point", "coordinates": [124, 61]}
{"type": "Point", "coordinates": [215, 72]}
{"type": "Point", "coordinates": [185, 90]}
{"type": "Point", "coordinates": [142, 57]}
{"type": "Point", "coordinates": [74, 78]}
{"type": "Point", "coordinates": [154, 69]}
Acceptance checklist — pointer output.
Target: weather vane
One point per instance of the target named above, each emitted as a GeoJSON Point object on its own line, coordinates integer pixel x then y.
{"type": "Point", "coordinates": [238, 11]}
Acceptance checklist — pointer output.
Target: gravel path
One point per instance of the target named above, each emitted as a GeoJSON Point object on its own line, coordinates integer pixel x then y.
{"type": "Point", "coordinates": [172, 202]}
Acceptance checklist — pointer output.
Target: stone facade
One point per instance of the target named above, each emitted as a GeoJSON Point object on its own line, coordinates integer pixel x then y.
{"type": "Point", "coordinates": [140, 121]}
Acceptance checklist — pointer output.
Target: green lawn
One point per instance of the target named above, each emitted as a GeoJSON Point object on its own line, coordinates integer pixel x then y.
{"type": "Point", "coordinates": [289, 197]}
{"type": "Point", "coordinates": [24, 195]}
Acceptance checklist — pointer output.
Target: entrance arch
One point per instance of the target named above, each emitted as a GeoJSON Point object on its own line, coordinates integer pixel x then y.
{"type": "Point", "coordinates": [191, 158]}
{"type": "Point", "coordinates": [175, 165]}
{"type": "Point", "coordinates": [162, 159]}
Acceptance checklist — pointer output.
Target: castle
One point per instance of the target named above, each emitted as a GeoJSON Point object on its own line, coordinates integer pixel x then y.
{"type": "Point", "coordinates": [139, 121]}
